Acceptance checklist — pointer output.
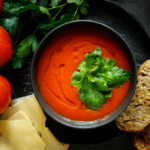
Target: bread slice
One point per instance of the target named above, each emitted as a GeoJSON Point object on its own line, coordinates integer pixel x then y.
{"type": "Point", "coordinates": [141, 140]}
{"type": "Point", "coordinates": [137, 114]}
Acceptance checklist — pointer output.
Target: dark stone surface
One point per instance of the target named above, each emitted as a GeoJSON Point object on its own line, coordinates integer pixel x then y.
{"type": "Point", "coordinates": [130, 18]}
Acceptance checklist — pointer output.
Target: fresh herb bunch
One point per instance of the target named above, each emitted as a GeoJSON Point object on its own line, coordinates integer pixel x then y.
{"type": "Point", "coordinates": [45, 17]}
{"type": "Point", "coordinates": [96, 78]}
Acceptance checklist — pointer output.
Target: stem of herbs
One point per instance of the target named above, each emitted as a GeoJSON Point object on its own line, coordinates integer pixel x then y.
{"type": "Point", "coordinates": [56, 7]}
{"type": "Point", "coordinates": [54, 12]}
{"type": "Point", "coordinates": [35, 30]}
{"type": "Point", "coordinates": [78, 8]}
{"type": "Point", "coordinates": [62, 6]}
{"type": "Point", "coordinates": [76, 11]}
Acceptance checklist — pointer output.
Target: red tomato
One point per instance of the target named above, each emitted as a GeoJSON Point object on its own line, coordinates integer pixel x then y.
{"type": "Point", "coordinates": [6, 49]}
{"type": "Point", "coordinates": [5, 93]}
{"type": "Point", "coordinates": [1, 6]}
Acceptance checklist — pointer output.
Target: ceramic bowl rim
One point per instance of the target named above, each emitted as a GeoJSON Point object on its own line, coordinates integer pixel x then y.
{"type": "Point", "coordinates": [79, 123]}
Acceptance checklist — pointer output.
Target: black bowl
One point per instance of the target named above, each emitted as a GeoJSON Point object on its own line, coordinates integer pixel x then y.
{"type": "Point", "coordinates": [83, 124]}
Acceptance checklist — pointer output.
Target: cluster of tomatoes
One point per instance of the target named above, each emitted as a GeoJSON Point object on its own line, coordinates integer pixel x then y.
{"type": "Point", "coordinates": [6, 54]}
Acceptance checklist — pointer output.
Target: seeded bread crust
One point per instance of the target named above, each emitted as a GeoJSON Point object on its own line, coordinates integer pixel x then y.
{"type": "Point", "coordinates": [141, 140]}
{"type": "Point", "coordinates": [137, 114]}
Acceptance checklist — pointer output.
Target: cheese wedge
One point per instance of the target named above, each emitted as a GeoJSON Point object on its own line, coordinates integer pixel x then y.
{"type": "Point", "coordinates": [18, 135]}
{"type": "Point", "coordinates": [30, 106]}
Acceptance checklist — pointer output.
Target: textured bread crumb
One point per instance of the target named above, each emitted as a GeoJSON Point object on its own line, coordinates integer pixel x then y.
{"type": "Point", "coordinates": [137, 114]}
{"type": "Point", "coordinates": [141, 139]}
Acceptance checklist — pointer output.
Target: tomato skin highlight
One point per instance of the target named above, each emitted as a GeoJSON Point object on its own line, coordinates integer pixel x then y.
{"type": "Point", "coordinates": [6, 48]}
{"type": "Point", "coordinates": [61, 58]}
{"type": "Point", "coordinates": [5, 93]}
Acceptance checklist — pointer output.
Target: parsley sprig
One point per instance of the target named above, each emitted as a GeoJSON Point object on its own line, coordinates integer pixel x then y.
{"type": "Point", "coordinates": [29, 22]}
{"type": "Point", "coordinates": [96, 77]}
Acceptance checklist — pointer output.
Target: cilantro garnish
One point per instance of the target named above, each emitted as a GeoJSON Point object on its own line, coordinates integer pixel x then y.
{"type": "Point", "coordinates": [28, 22]}
{"type": "Point", "coordinates": [96, 78]}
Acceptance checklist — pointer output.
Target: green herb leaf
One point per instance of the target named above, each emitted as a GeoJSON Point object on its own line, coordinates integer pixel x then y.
{"type": "Point", "coordinates": [85, 4]}
{"type": "Point", "coordinates": [83, 10]}
{"type": "Point", "coordinates": [96, 78]}
{"type": "Point", "coordinates": [23, 50]}
{"type": "Point", "coordinates": [99, 83]}
{"type": "Point", "coordinates": [9, 6]}
{"type": "Point", "coordinates": [76, 79]}
{"type": "Point", "coordinates": [83, 7]}
{"type": "Point", "coordinates": [45, 10]}
{"type": "Point", "coordinates": [18, 62]}
{"type": "Point", "coordinates": [54, 3]}
{"type": "Point", "coordinates": [16, 12]}
{"type": "Point", "coordinates": [46, 26]}
{"type": "Point", "coordinates": [83, 68]}
{"type": "Point", "coordinates": [78, 2]}
{"type": "Point", "coordinates": [34, 43]}
{"type": "Point", "coordinates": [95, 98]}
{"type": "Point", "coordinates": [25, 8]}
{"type": "Point", "coordinates": [11, 25]}
{"type": "Point", "coordinates": [114, 75]}
{"type": "Point", "coordinates": [90, 95]}
{"type": "Point", "coordinates": [33, 1]}
{"type": "Point", "coordinates": [45, 3]}
{"type": "Point", "coordinates": [72, 8]}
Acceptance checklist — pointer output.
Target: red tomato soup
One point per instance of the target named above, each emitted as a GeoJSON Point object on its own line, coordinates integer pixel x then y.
{"type": "Point", "coordinates": [60, 59]}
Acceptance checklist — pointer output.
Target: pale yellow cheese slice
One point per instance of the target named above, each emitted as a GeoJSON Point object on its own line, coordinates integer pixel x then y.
{"type": "Point", "coordinates": [5, 145]}
{"type": "Point", "coordinates": [14, 101]}
{"type": "Point", "coordinates": [52, 143]}
{"type": "Point", "coordinates": [30, 106]}
{"type": "Point", "coordinates": [20, 115]}
{"type": "Point", "coordinates": [18, 135]}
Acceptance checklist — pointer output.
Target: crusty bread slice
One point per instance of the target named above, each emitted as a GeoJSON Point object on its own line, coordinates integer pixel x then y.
{"type": "Point", "coordinates": [141, 140]}
{"type": "Point", "coordinates": [137, 114]}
